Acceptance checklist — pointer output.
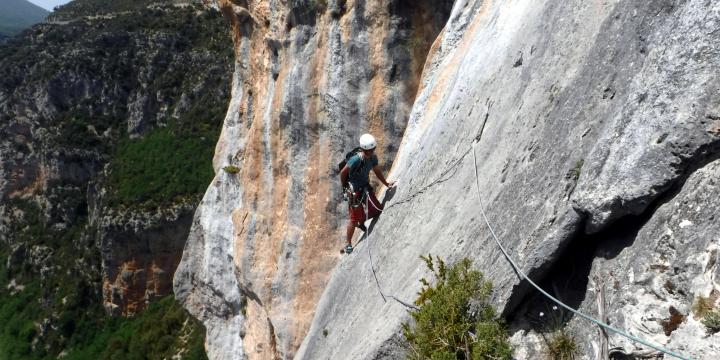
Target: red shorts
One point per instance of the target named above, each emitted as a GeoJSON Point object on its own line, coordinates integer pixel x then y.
{"type": "Point", "coordinates": [357, 213]}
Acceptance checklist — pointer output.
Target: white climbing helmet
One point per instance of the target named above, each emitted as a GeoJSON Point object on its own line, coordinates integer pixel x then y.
{"type": "Point", "coordinates": [367, 142]}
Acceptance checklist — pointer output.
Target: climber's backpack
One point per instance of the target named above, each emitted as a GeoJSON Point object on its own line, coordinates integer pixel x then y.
{"type": "Point", "coordinates": [352, 153]}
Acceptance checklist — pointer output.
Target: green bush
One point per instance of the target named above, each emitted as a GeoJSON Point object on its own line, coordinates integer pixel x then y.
{"type": "Point", "coordinates": [154, 334]}
{"type": "Point", "coordinates": [87, 333]}
{"type": "Point", "coordinates": [711, 320]}
{"type": "Point", "coordinates": [232, 169]}
{"type": "Point", "coordinates": [168, 163]}
{"type": "Point", "coordinates": [17, 331]}
{"type": "Point", "coordinates": [703, 306]}
{"type": "Point", "coordinates": [455, 319]}
{"type": "Point", "coordinates": [559, 341]}
{"type": "Point", "coordinates": [562, 346]}
{"type": "Point", "coordinates": [574, 173]}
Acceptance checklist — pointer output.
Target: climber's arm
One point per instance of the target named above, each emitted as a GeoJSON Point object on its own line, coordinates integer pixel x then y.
{"type": "Point", "coordinates": [379, 174]}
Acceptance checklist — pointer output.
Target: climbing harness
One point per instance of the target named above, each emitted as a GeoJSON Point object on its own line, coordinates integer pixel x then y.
{"type": "Point", "coordinates": [354, 198]}
{"type": "Point", "coordinates": [538, 288]}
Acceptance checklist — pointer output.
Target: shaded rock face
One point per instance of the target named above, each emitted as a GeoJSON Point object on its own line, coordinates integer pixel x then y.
{"type": "Point", "coordinates": [649, 268]}
{"type": "Point", "coordinates": [594, 126]}
{"type": "Point", "coordinates": [310, 78]}
{"type": "Point", "coordinates": [139, 252]}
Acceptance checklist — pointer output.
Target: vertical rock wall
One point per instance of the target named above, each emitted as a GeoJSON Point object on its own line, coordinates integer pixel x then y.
{"type": "Point", "coordinates": [310, 77]}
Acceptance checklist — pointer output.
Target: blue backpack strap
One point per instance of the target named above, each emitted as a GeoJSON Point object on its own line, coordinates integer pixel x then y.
{"type": "Point", "coordinates": [362, 163]}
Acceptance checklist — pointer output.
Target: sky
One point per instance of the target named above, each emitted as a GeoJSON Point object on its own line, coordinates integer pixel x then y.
{"type": "Point", "coordinates": [49, 4]}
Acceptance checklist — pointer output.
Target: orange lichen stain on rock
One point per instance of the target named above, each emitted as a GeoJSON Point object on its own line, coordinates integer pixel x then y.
{"type": "Point", "coordinates": [278, 195]}
{"type": "Point", "coordinates": [448, 71]}
{"type": "Point", "coordinates": [318, 253]}
{"type": "Point", "coordinates": [428, 60]}
{"type": "Point", "coordinates": [27, 183]}
{"type": "Point", "coordinates": [346, 22]}
{"type": "Point", "coordinates": [157, 283]}
{"type": "Point", "coordinates": [239, 31]}
{"type": "Point", "coordinates": [378, 60]}
{"type": "Point", "coordinates": [318, 250]}
{"type": "Point", "coordinates": [244, 21]}
{"type": "Point", "coordinates": [259, 340]}
{"type": "Point", "coordinates": [137, 282]}
{"type": "Point", "coordinates": [265, 192]}
{"type": "Point", "coordinates": [126, 291]}
{"type": "Point", "coordinates": [441, 86]}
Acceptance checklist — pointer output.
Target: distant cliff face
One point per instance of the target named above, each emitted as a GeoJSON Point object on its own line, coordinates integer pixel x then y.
{"type": "Point", "coordinates": [310, 78]}
{"type": "Point", "coordinates": [107, 129]}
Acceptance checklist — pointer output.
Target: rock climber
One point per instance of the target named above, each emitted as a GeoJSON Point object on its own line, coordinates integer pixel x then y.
{"type": "Point", "coordinates": [355, 178]}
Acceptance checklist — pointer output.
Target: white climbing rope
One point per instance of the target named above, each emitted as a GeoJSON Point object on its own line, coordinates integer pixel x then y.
{"type": "Point", "coordinates": [372, 267]}
{"type": "Point", "coordinates": [524, 276]}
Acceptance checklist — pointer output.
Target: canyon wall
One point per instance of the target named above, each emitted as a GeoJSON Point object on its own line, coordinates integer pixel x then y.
{"type": "Point", "coordinates": [73, 92]}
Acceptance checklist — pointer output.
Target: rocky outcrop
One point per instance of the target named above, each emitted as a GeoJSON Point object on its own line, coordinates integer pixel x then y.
{"type": "Point", "coordinates": [310, 77]}
{"type": "Point", "coordinates": [139, 252]}
{"type": "Point", "coordinates": [652, 270]}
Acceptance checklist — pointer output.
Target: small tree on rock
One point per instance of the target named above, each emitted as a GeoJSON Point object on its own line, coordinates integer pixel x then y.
{"type": "Point", "coordinates": [455, 319]}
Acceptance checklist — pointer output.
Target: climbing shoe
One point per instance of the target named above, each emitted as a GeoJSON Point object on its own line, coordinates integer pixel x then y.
{"type": "Point", "coordinates": [349, 249]}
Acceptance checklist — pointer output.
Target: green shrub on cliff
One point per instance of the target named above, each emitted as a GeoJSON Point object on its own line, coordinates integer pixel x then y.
{"type": "Point", "coordinates": [712, 321]}
{"type": "Point", "coordinates": [455, 319]}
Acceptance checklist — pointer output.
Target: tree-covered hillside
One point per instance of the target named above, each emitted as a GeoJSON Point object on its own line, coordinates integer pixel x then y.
{"type": "Point", "coordinates": [107, 130]}
{"type": "Point", "coordinates": [16, 15]}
